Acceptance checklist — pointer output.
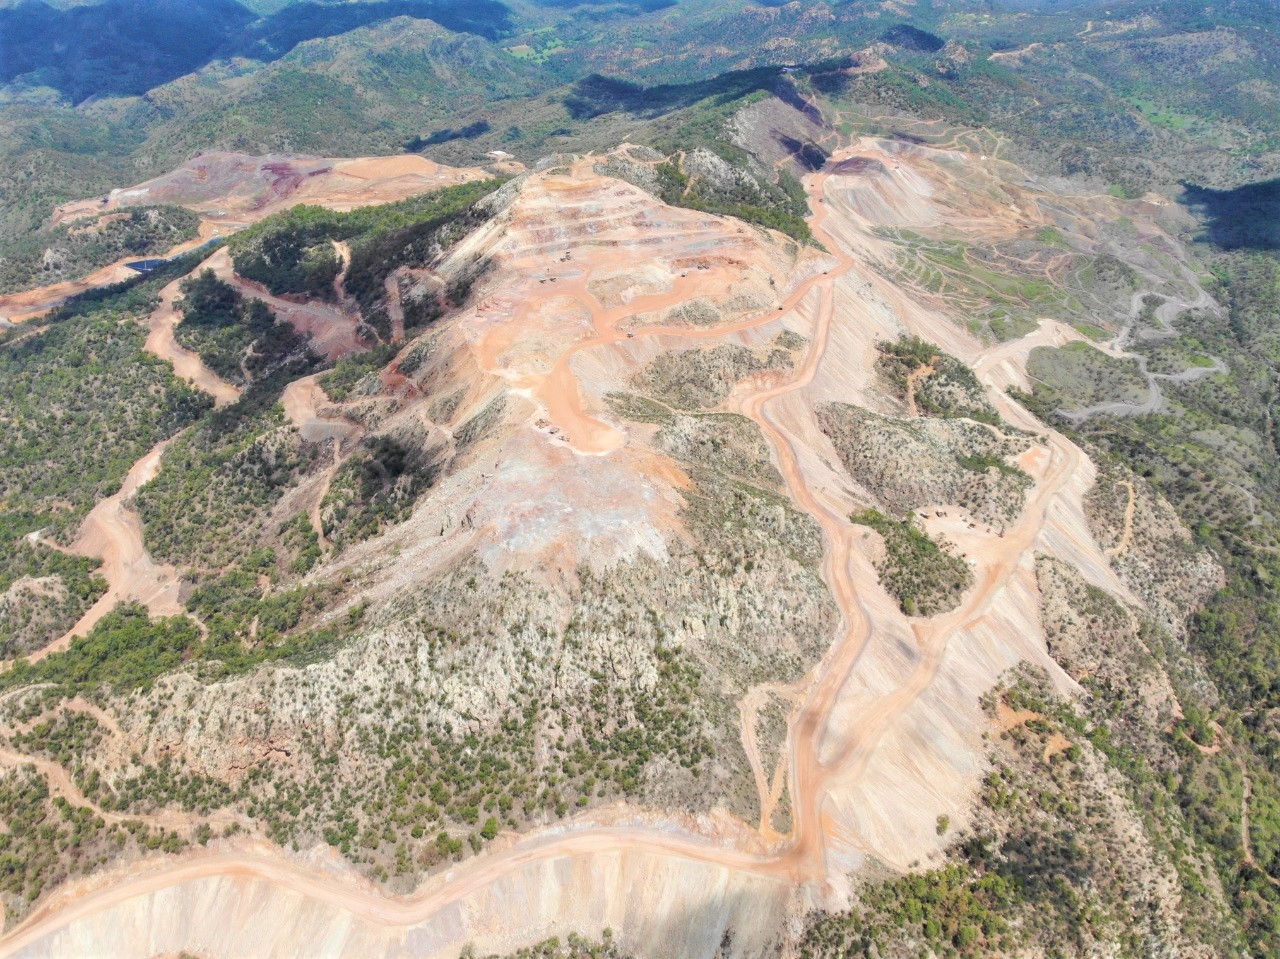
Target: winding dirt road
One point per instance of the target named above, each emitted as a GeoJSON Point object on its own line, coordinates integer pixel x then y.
{"type": "Point", "coordinates": [112, 531]}
{"type": "Point", "coordinates": [186, 365]}
{"type": "Point", "coordinates": [1164, 314]}
{"type": "Point", "coordinates": [62, 784]}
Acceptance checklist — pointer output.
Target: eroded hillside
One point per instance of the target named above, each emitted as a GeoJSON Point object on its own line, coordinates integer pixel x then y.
{"type": "Point", "coordinates": [560, 559]}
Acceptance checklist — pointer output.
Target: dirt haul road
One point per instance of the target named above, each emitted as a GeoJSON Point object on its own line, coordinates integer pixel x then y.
{"type": "Point", "coordinates": [826, 752]}
{"type": "Point", "coordinates": [112, 531]}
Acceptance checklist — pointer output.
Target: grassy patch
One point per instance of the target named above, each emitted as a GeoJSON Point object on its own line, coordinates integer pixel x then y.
{"type": "Point", "coordinates": [923, 578]}
{"type": "Point", "coordinates": [1095, 333]}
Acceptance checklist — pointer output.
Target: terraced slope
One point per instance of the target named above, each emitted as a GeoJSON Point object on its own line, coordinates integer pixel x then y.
{"type": "Point", "coordinates": [559, 617]}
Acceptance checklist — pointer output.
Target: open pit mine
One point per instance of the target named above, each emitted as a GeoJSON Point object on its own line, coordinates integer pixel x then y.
{"type": "Point", "coordinates": [621, 653]}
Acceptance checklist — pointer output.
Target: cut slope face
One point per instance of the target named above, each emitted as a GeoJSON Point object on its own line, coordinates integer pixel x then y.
{"type": "Point", "coordinates": [590, 263]}
{"type": "Point", "coordinates": [591, 543]}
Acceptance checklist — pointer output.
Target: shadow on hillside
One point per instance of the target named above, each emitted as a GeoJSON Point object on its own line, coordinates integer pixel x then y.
{"type": "Point", "coordinates": [597, 95]}
{"type": "Point", "coordinates": [1246, 218]}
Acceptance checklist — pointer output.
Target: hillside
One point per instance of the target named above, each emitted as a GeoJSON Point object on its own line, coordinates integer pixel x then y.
{"type": "Point", "coordinates": [459, 80]}
{"type": "Point", "coordinates": [668, 504]}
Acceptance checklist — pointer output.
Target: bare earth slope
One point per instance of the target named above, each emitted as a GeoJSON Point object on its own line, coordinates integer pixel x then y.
{"type": "Point", "coordinates": [528, 397]}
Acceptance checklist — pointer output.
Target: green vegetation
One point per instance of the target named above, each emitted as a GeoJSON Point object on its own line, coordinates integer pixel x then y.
{"type": "Point", "coordinates": [292, 252]}
{"type": "Point", "coordinates": [376, 487]}
{"type": "Point", "coordinates": [706, 167]}
{"type": "Point", "coordinates": [1095, 333]}
{"type": "Point", "coordinates": [1051, 236]}
{"type": "Point", "coordinates": [699, 379]}
{"type": "Point", "coordinates": [48, 840]}
{"type": "Point", "coordinates": [538, 46]}
{"type": "Point", "coordinates": [440, 788]}
{"type": "Point", "coordinates": [208, 506]}
{"type": "Point", "coordinates": [1080, 375]}
{"type": "Point", "coordinates": [942, 385]}
{"type": "Point", "coordinates": [1174, 356]}
{"type": "Point", "coordinates": [350, 371]}
{"type": "Point", "coordinates": [701, 104]}
{"type": "Point", "coordinates": [1038, 874]}
{"type": "Point", "coordinates": [577, 947]}
{"type": "Point", "coordinates": [81, 402]}
{"type": "Point", "coordinates": [303, 542]}
{"type": "Point", "coordinates": [1210, 453]}
{"type": "Point", "coordinates": [43, 591]}
{"type": "Point", "coordinates": [1171, 119]}
{"type": "Point", "coordinates": [247, 624]}
{"type": "Point", "coordinates": [184, 39]}
{"type": "Point", "coordinates": [639, 409]}
{"type": "Point", "coordinates": [923, 578]}
{"type": "Point", "coordinates": [239, 340]}
{"type": "Point", "coordinates": [70, 251]}
{"type": "Point", "coordinates": [982, 462]}
{"type": "Point", "coordinates": [1003, 286]}
{"type": "Point", "coordinates": [306, 84]}
{"type": "Point", "coordinates": [1035, 872]}
{"type": "Point", "coordinates": [781, 206]}
{"type": "Point", "coordinates": [917, 463]}
{"type": "Point", "coordinates": [65, 737]}
{"type": "Point", "coordinates": [1177, 793]}
{"type": "Point", "coordinates": [250, 620]}
{"type": "Point", "coordinates": [287, 260]}
{"type": "Point", "coordinates": [727, 443]}
{"type": "Point", "coordinates": [126, 650]}
{"type": "Point", "coordinates": [941, 912]}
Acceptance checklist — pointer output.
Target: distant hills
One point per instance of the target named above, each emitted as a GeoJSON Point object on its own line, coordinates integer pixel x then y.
{"type": "Point", "coordinates": [127, 47]}
{"type": "Point", "coordinates": [96, 94]}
